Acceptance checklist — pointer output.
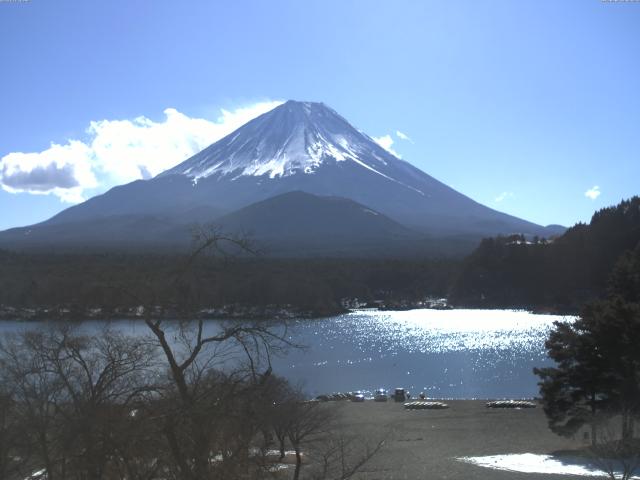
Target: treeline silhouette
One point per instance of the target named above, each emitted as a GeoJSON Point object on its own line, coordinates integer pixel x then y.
{"type": "Point", "coordinates": [72, 283]}
{"type": "Point", "coordinates": [554, 275]}
{"type": "Point", "coordinates": [560, 275]}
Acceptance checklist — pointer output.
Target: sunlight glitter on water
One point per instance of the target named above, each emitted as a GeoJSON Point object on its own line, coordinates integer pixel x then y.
{"type": "Point", "coordinates": [445, 353]}
{"type": "Point", "coordinates": [441, 330]}
{"type": "Point", "coordinates": [456, 353]}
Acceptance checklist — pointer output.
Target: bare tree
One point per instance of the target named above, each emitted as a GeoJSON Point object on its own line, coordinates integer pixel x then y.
{"type": "Point", "coordinates": [307, 422]}
{"type": "Point", "coordinates": [342, 456]}
{"type": "Point", "coordinates": [211, 413]}
{"type": "Point", "coordinates": [214, 372]}
{"type": "Point", "coordinates": [192, 400]}
{"type": "Point", "coordinates": [73, 395]}
{"type": "Point", "coordinates": [276, 413]}
{"type": "Point", "coordinates": [616, 453]}
{"type": "Point", "coordinates": [316, 432]}
{"type": "Point", "coordinates": [35, 392]}
{"type": "Point", "coordinates": [14, 454]}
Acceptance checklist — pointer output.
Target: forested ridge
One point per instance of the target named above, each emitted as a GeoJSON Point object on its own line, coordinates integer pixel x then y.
{"type": "Point", "coordinates": [116, 282]}
{"type": "Point", "coordinates": [554, 275]}
{"type": "Point", "coordinates": [557, 275]}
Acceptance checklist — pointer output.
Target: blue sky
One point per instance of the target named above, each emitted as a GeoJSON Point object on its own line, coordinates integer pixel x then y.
{"type": "Point", "coordinates": [524, 106]}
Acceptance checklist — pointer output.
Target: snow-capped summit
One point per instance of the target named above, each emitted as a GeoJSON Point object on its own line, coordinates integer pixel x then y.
{"type": "Point", "coordinates": [295, 137]}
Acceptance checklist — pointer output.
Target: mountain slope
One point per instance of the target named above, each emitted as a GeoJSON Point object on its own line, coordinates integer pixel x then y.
{"type": "Point", "coordinates": [308, 146]}
{"type": "Point", "coordinates": [298, 146]}
{"type": "Point", "coordinates": [300, 214]}
{"type": "Point", "coordinates": [296, 223]}
{"type": "Point", "coordinates": [291, 224]}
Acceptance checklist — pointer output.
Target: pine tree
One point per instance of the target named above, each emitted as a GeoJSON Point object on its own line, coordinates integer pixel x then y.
{"type": "Point", "coordinates": [597, 372]}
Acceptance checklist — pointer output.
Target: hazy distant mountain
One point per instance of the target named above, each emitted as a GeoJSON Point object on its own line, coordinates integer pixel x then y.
{"type": "Point", "coordinates": [296, 147]}
{"type": "Point", "coordinates": [291, 224]}
{"type": "Point", "coordinates": [300, 223]}
{"type": "Point", "coordinates": [299, 214]}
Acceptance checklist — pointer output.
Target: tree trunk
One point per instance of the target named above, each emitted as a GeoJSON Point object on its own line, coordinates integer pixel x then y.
{"type": "Point", "coordinates": [296, 473]}
{"type": "Point", "coordinates": [593, 420]}
{"type": "Point", "coordinates": [628, 421]}
{"type": "Point", "coordinates": [176, 451]}
{"type": "Point", "coordinates": [48, 465]}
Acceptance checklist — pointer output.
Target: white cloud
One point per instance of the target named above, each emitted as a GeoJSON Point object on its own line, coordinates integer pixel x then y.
{"type": "Point", "coordinates": [403, 136]}
{"type": "Point", "coordinates": [503, 196]}
{"type": "Point", "coordinates": [386, 142]}
{"type": "Point", "coordinates": [593, 193]}
{"type": "Point", "coordinates": [118, 151]}
{"type": "Point", "coordinates": [63, 170]}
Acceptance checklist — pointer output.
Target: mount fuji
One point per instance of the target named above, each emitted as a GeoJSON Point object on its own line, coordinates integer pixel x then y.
{"type": "Point", "coordinates": [299, 164]}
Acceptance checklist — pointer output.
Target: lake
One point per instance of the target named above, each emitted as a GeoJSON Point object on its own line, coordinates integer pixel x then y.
{"type": "Point", "coordinates": [444, 353]}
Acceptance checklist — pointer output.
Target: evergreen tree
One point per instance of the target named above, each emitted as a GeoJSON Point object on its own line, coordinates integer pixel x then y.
{"type": "Point", "coordinates": [625, 279]}
{"type": "Point", "coordinates": [597, 372]}
{"type": "Point", "coordinates": [557, 275]}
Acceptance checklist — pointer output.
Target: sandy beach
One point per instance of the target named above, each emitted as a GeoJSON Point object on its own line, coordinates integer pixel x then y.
{"type": "Point", "coordinates": [425, 444]}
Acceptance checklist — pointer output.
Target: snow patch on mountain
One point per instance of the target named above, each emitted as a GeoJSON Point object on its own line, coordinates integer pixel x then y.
{"type": "Point", "coordinates": [294, 138]}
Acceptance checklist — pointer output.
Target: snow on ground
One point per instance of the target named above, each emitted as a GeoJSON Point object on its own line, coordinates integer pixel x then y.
{"type": "Point", "coordinates": [534, 463]}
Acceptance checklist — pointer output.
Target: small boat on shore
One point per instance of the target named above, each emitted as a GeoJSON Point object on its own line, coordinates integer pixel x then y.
{"type": "Point", "coordinates": [425, 405]}
{"type": "Point", "coordinates": [511, 404]}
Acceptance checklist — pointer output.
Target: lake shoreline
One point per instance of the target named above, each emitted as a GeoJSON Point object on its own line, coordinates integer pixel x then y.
{"type": "Point", "coordinates": [228, 312]}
